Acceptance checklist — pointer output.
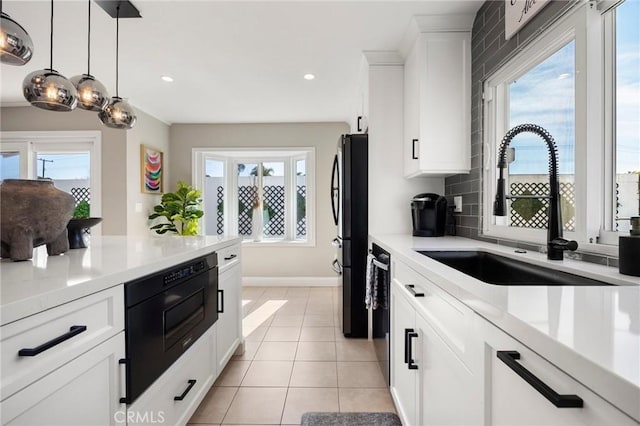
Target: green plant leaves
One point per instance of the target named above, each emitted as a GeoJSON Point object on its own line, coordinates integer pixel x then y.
{"type": "Point", "coordinates": [180, 208]}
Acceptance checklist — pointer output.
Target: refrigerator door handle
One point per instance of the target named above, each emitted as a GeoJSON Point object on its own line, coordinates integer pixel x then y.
{"type": "Point", "coordinates": [335, 190]}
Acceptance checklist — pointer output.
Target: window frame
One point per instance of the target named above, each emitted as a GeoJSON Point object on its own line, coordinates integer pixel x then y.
{"type": "Point", "coordinates": [594, 152]}
{"type": "Point", "coordinates": [231, 157]}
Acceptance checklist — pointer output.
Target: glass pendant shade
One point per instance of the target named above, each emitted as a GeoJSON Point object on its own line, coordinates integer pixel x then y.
{"type": "Point", "coordinates": [92, 95]}
{"type": "Point", "coordinates": [118, 114]}
{"type": "Point", "coordinates": [48, 89]}
{"type": "Point", "coordinates": [16, 47]}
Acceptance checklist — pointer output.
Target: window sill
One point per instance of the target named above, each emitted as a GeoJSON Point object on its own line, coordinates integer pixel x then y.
{"type": "Point", "coordinates": [277, 243]}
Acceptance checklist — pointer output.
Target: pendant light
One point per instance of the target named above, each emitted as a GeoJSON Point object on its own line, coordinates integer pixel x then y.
{"type": "Point", "coordinates": [47, 88]}
{"type": "Point", "coordinates": [16, 47]}
{"type": "Point", "coordinates": [118, 114]}
{"type": "Point", "coordinates": [92, 95]}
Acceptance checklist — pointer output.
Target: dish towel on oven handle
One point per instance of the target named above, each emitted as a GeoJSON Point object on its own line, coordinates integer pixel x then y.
{"type": "Point", "coordinates": [371, 283]}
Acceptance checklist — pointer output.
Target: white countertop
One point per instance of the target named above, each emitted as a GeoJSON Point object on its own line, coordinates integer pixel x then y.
{"type": "Point", "coordinates": [45, 281]}
{"type": "Point", "coordinates": [591, 333]}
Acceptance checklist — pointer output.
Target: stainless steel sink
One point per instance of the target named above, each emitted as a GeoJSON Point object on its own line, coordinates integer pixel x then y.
{"type": "Point", "coordinates": [500, 270]}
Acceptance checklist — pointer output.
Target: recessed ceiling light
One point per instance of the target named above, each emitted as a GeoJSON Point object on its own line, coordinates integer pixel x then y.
{"type": "Point", "coordinates": [309, 76]}
{"type": "Point", "coordinates": [167, 78]}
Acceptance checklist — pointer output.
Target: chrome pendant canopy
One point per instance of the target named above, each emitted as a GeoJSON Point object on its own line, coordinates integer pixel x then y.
{"type": "Point", "coordinates": [48, 89]}
{"type": "Point", "coordinates": [118, 114]}
{"type": "Point", "coordinates": [16, 46]}
{"type": "Point", "coordinates": [92, 95]}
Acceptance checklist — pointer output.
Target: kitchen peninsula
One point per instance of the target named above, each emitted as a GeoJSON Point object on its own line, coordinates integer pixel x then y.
{"type": "Point", "coordinates": [65, 348]}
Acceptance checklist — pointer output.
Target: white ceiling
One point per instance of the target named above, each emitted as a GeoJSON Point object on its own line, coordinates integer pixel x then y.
{"type": "Point", "coordinates": [232, 61]}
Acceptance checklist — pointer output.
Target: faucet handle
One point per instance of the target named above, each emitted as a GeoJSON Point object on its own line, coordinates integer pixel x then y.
{"type": "Point", "coordinates": [562, 244]}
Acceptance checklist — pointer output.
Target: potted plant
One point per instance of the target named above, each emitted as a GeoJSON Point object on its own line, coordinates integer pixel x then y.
{"type": "Point", "coordinates": [181, 209]}
{"type": "Point", "coordinates": [79, 223]}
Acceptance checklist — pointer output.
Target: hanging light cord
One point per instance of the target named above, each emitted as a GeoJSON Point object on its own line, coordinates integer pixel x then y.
{"type": "Point", "coordinates": [51, 40]}
{"type": "Point", "coordinates": [117, 44]}
{"type": "Point", "coordinates": [89, 41]}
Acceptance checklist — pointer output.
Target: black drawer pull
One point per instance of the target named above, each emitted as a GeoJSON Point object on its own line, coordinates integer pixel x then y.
{"type": "Point", "coordinates": [407, 352]}
{"type": "Point", "coordinates": [231, 256]}
{"type": "Point", "coordinates": [192, 383]}
{"type": "Point", "coordinates": [74, 330]}
{"type": "Point", "coordinates": [125, 362]}
{"type": "Point", "coordinates": [410, 335]}
{"type": "Point", "coordinates": [414, 155]}
{"type": "Point", "coordinates": [411, 287]}
{"type": "Point", "coordinates": [221, 300]}
{"type": "Point", "coordinates": [560, 401]}
{"type": "Point", "coordinates": [359, 126]}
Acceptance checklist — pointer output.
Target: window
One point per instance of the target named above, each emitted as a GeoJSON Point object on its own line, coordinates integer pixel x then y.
{"type": "Point", "coordinates": [538, 86]}
{"type": "Point", "coordinates": [70, 159]}
{"type": "Point", "coordinates": [264, 196]}
{"type": "Point", "coordinates": [590, 103]}
{"type": "Point", "coordinates": [626, 111]}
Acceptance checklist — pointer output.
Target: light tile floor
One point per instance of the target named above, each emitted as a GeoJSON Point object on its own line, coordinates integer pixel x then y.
{"type": "Point", "coordinates": [296, 360]}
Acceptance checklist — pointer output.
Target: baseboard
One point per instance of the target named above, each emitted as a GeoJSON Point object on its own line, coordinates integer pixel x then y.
{"type": "Point", "coordinates": [290, 281]}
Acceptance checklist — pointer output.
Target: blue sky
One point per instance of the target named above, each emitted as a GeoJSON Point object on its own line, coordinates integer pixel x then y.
{"type": "Point", "coordinates": [544, 96]}
{"type": "Point", "coordinates": [63, 166]}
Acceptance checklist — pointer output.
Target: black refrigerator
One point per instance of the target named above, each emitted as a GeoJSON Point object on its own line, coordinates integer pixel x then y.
{"type": "Point", "coordinates": [349, 199]}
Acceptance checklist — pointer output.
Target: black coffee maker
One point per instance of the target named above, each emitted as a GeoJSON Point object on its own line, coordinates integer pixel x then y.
{"type": "Point", "coordinates": [429, 213]}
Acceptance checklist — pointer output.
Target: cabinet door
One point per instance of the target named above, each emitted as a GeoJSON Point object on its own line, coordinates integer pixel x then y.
{"type": "Point", "coordinates": [229, 319]}
{"type": "Point", "coordinates": [510, 400]}
{"type": "Point", "coordinates": [85, 391]}
{"type": "Point", "coordinates": [448, 392]}
{"type": "Point", "coordinates": [411, 113]}
{"type": "Point", "coordinates": [403, 379]}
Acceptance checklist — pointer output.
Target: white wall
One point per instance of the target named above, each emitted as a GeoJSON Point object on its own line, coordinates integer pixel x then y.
{"type": "Point", "coordinates": [263, 260]}
{"type": "Point", "coordinates": [139, 205]}
{"type": "Point", "coordinates": [389, 192]}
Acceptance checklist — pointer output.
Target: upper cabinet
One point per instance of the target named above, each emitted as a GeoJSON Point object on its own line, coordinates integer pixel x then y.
{"type": "Point", "coordinates": [437, 104]}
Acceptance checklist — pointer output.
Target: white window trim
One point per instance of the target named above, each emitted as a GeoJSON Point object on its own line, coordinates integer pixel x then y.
{"type": "Point", "coordinates": [584, 25]}
{"type": "Point", "coordinates": [30, 143]}
{"type": "Point", "coordinates": [288, 155]}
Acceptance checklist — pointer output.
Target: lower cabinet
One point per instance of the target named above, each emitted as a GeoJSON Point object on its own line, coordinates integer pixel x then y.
{"type": "Point", "coordinates": [229, 322]}
{"type": "Point", "coordinates": [174, 397]}
{"type": "Point", "coordinates": [522, 388]}
{"type": "Point", "coordinates": [85, 391]}
{"type": "Point", "coordinates": [430, 383]}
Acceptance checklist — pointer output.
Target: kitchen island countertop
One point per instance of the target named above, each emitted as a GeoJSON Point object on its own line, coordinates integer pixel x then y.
{"type": "Point", "coordinates": [43, 282]}
{"type": "Point", "coordinates": [591, 333]}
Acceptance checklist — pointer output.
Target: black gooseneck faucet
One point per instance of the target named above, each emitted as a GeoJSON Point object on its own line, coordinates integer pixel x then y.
{"type": "Point", "coordinates": [555, 243]}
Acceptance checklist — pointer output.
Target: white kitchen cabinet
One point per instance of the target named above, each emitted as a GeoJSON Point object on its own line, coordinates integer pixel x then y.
{"type": "Point", "coordinates": [173, 397]}
{"type": "Point", "coordinates": [61, 366]}
{"type": "Point", "coordinates": [437, 105]}
{"type": "Point", "coordinates": [511, 400]}
{"type": "Point", "coordinates": [434, 379]}
{"type": "Point", "coordinates": [229, 324]}
{"type": "Point", "coordinates": [403, 379]}
{"type": "Point", "coordinates": [85, 391]}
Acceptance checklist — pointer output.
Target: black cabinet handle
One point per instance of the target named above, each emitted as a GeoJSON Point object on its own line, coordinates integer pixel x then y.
{"type": "Point", "coordinates": [414, 154]}
{"type": "Point", "coordinates": [233, 256]}
{"type": "Point", "coordinates": [411, 287]}
{"type": "Point", "coordinates": [74, 330]}
{"type": "Point", "coordinates": [359, 124]}
{"type": "Point", "coordinates": [221, 299]}
{"type": "Point", "coordinates": [192, 383]}
{"type": "Point", "coordinates": [410, 335]}
{"type": "Point", "coordinates": [560, 401]}
{"type": "Point", "coordinates": [407, 352]}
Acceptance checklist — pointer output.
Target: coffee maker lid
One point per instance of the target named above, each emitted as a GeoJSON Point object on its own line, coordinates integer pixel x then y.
{"type": "Point", "coordinates": [426, 197]}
